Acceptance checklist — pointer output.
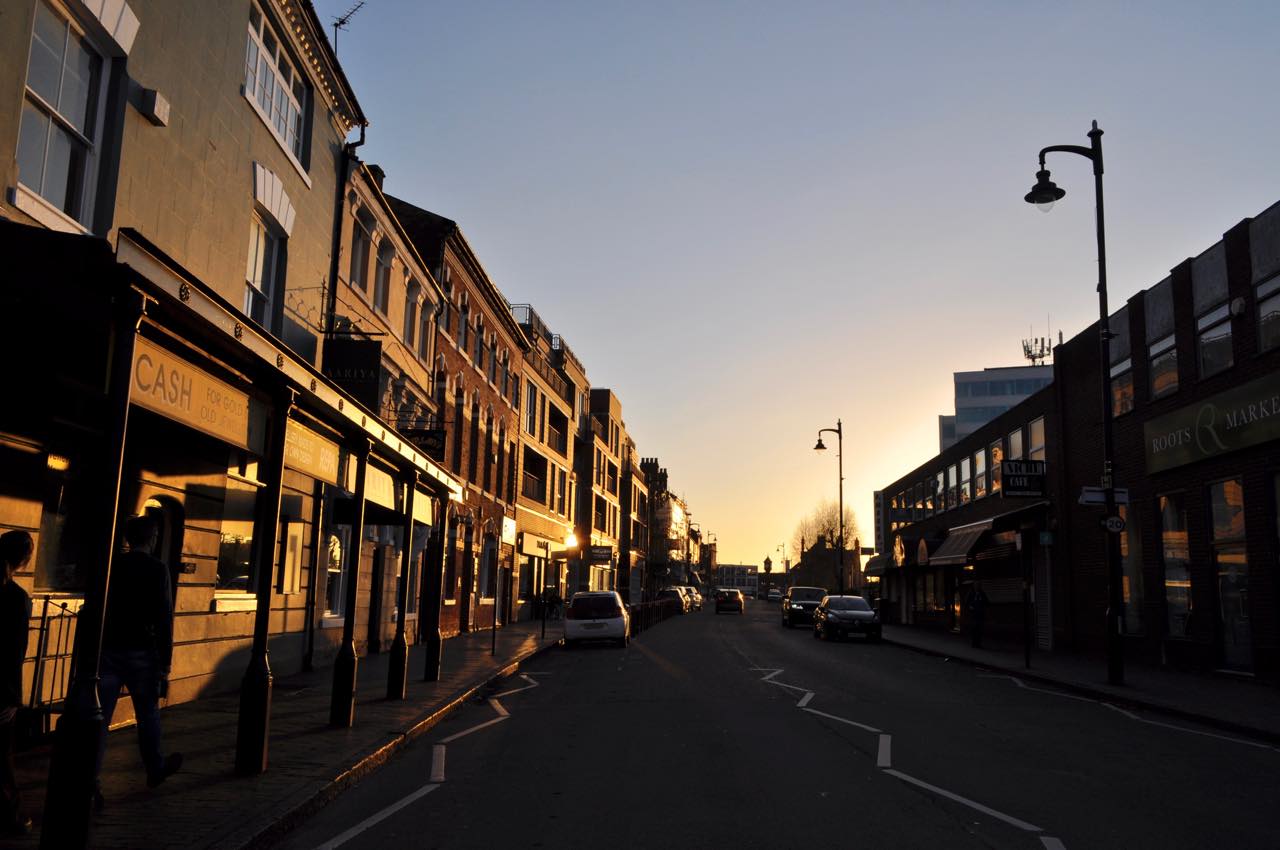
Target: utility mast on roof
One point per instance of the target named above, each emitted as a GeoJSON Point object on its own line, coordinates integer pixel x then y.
{"type": "Point", "coordinates": [341, 23]}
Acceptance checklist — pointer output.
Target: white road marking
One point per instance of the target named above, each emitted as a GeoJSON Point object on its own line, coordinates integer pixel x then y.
{"type": "Point", "coordinates": [804, 700]}
{"type": "Point", "coordinates": [882, 754]}
{"type": "Point", "coordinates": [987, 810]}
{"type": "Point", "coordinates": [465, 732]}
{"type": "Point", "coordinates": [1051, 843]}
{"type": "Point", "coordinates": [538, 673]}
{"type": "Point", "coordinates": [788, 687]}
{"type": "Point", "coordinates": [351, 833]}
{"type": "Point", "coordinates": [437, 763]}
{"type": "Point", "coordinates": [533, 683]}
{"type": "Point", "coordinates": [1027, 687]}
{"type": "Point", "coordinates": [497, 706]}
{"type": "Point", "coordinates": [1132, 716]}
{"type": "Point", "coordinates": [773, 672]}
{"type": "Point", "coordinates": [842, 720]}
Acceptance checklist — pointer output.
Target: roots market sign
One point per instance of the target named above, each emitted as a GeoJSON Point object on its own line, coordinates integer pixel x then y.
{"type": "Point", "coordinates": [1238, 418]}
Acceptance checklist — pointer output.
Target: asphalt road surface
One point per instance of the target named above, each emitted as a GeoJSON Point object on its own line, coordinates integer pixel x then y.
{"type": "Point", "coordinates": [730, 731]}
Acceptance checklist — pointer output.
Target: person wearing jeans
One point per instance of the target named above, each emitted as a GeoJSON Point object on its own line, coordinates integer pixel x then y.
{"type": "Point", "coordinates": [137, 647]}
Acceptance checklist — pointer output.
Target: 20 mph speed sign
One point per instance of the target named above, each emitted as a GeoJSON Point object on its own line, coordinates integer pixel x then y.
{"type": "Point", "coordinates": [1114, 524]}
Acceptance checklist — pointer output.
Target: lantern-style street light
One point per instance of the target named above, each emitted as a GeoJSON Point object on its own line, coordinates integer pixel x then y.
{"type": "Point", "coordinates": [839, 432]}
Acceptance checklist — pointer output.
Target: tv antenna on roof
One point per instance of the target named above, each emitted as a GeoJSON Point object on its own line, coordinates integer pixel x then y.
{"type": "Point", "coordinates": [341, 23]}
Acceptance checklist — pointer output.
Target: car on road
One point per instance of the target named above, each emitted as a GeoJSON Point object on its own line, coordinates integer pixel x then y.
{"type": "Point", "coordinates": [596, 615]}
{"type": "Point", "coordinates": [799, 604]}
{"type": "Point", "coordinates": [674, 593]}
{"type": "Point", "coordinates": [730, 599]}
{"type": "Point", "coordinates": [695, 597]}
{"type": "Point", "coordinates": [842, 616]}
{"type": "Point", "coordinates": [775, 595]}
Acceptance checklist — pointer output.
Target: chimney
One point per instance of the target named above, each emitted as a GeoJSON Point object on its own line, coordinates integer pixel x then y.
{"type": "Point", "coordinates": [378, 175]}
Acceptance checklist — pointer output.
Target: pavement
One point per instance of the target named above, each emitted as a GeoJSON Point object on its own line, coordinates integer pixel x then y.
{"type": "Point", "coordinates": [206, 805]}
{"type": "Point", "coordinates": [1224, 701]}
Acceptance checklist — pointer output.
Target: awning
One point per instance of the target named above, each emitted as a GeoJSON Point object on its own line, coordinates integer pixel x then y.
{"type": "Point", "coordinates": [877, 564]}
{"type": "Point", "coordinates": [959, 543]}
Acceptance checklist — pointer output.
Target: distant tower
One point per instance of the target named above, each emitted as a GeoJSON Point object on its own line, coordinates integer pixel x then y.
{"type": "Point", "coordinates": [1037, 350]}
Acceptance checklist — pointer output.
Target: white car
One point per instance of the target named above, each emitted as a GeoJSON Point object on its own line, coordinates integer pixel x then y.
{"type": "Point", "coordinates": [695, 598]}
{"type": "Point", "coordinates": [596, 615]}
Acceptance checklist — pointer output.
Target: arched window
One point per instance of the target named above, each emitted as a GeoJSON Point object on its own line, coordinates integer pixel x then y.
{"type": "Point", "coordinates": [361, 248]}
{"type": "Point", "coordinates": [426, 330]}
{"type": "Point", "coordinates": [382, 279]}
{"type": "Point", "coordinates": [412, 293]}
{"type": "Point", "coordinates": [464, 319]}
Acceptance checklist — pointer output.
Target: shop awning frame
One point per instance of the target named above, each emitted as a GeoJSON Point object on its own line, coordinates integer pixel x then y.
{"type": "Point", "coordinates": [959, 543]}
{"type": "Point", "coordinates": [315, 393]}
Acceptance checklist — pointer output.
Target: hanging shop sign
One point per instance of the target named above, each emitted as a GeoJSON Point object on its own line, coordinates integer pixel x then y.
{"type": "Point", "coordinates": [306, 451]}
{"type": "Point", "coordinates": [429, 440]}
{"type": "Point", "coordinates": [356, 366]}
{"type": "Point", "coordinates": [601, 554]}
{"type": "Point", "coordinates": [170, 386]}
{"type": "Point", "coordinates": [1244, 416]}
{"type": "Point", "coordinates": [1022, 478]}
{"type": "Point", "coordinates": [509, 530]}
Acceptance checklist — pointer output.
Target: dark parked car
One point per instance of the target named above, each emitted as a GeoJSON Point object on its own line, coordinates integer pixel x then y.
{"type": "Point", "coordinates": [730, 599]}
{"type": "Point", "coordinates": [841, 616]}
{"type": "Point", "coordinates": [799, 603]}
{"type": "Point", "coordinates": [677, 595]}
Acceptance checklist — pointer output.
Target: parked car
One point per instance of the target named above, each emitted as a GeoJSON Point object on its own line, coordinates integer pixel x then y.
{"type": "Point", "coordinates": [775, 595]}
{"type": "Point", "coordinates": [596, 615]}
{"type": "Point", "coordinates": [695, 597]}
{"type": "Point", "coordinates": [674, 593]}
{"type": "Point", "coordinates": [730, 599]}
{"type": "Point", "coordinates": [799, 603]}
{"type": "Point", "coordinates": [841, 616]}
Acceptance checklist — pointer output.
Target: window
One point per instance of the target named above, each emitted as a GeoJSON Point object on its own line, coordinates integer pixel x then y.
{"type": "Point", "coordinates": [382, 277]}
{"type": "Point", "coordinates": [531, 409]}
{"type": "Point", "coordinates": [1268, 298]}
{"type": "Point", "coordinates": [1015, 445]}
{"type": "Point", "coordinates": [235, 565]}
{"type": "Point", "coordinates": [1131, 568]}
{"type": "Point", "coordinates": [425, 335]}
{"type": "Point", "coordinates": [953, 494]}
{"type": "Point", "coordinates": [261, 283]}
{"type": "Point", "coordinates": [411, 312]}
{"type": "Point", "coordinates": [1163, 355]}
{"type": "Point", "coordinates": [273, 84]}
{"type": "Point", "coordinates": [979, 474]}
{"type": "Point", "coordinates": [478, 355]}
{"type": "Point", "coordinates": [997, 457]}
{"type": "Point", "coordinates": [1177, 561]}
{"type": "Point", "coordinates": [361, 248]}
{"type": "Point", "coordinates": [927, 487]}
{"type": "Point", "coordinates": [464, 326]}
{"type": "Point", "coordinates": [561, 489]}
{"type": "Point", "coordinates": [59, 142]}
{"type": "Point", "coordinates": [451, 542]}
{"type": "Point", "coordinates": [940, 492]}
{"type": "Point", "coordinates": [1213, 341]}
{"type": "Point", "coordinates": [336, 570]}
{"type": "Point", "coordinates": [492, 364]}
{"type": "Point", "coordinates": [1121, 387]}
{"type": "Point", "coordinates": [965, 481]}
{"type": "Point", "coordinates": [1036, 439]}
{"type": "Point", "coordinates": [1226, 501]}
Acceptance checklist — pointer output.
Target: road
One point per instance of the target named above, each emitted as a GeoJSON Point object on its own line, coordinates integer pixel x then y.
{"type": "Point", "coordinates": [730, 731]}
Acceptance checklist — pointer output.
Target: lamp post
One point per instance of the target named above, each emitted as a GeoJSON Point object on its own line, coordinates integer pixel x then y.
{"type": "Point", "coordinates": [839, 432]}
{"type": "Point", "coordinates": [1044, 194]}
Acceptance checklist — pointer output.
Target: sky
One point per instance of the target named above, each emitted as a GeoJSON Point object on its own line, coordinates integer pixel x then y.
{"type": "Point", "coordinates": [751, 220]}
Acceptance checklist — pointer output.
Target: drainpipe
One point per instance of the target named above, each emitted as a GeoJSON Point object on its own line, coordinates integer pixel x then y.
{"type": "Point", "coordinates": [344, 175]}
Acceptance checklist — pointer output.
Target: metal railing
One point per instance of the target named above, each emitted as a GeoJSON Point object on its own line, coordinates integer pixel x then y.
{"type": "Point", "coordinates": [53, 665]}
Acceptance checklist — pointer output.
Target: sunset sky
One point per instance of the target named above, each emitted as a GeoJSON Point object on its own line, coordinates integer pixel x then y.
{"type": "Point", "coordinates": [749, 219]}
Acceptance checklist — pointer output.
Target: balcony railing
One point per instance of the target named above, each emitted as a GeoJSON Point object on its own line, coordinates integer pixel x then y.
{"type": "Point", "coordinates": [532, 487]}
{"type": "Point", "coordinates": [556, 439]}
{"type": "Point", "coordinates": [558, 344]}
{"type": "Point", "coordinates": [525, 315]}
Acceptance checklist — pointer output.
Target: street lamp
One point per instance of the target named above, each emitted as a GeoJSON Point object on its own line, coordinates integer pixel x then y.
{"type": "Point", "coordinates": [1044, 194]}
{"type": "Point", "coordinates": [839, 432]}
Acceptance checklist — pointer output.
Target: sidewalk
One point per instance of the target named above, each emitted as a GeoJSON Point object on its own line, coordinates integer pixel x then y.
{"type": "Point", "coordinates": [207, 805]}
{"type": "Point", "coordinates": [1243, 706]}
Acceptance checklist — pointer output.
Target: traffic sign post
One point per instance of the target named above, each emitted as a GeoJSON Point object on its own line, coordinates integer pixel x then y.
{"type": "Point", "coordinates": [1098, 496]}
{"type": "Point", "coordinates": [1113, 524]}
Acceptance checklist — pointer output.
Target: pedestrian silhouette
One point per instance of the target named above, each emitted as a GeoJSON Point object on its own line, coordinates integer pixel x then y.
{"type": "Point", "coordinates": [15, 619]}
{"type": "Point", "coordinates": [137, 647]}
{"type": "Point", "coordinates": [978, 602]}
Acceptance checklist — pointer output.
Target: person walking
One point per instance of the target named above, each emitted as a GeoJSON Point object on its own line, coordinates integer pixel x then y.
{"type": "Point", "coordinates": [978, 603]}
{"type": "Point", "coordinates": [15, 619]}
{"type": "Point", "coordinates": [137, 647]}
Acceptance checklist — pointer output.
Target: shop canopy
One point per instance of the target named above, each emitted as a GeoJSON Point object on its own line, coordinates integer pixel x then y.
{"type": "Point", "coordinates": [959, 544]}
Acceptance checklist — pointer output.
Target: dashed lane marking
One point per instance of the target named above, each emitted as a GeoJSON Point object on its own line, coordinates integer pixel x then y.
{"type": "Point", "coordinates": [882, 754]}
{"type": "Point", "coordinates": [437, 763]}
{"type": "Point", "coordinates": [497, 706]}
{"type": "Point", "coordinates": [373, 820]}
{"type": "Point", "coordinates": [965, 801]}
{"type": "Point", "coordinates": [839, 719]}
{"type": "Point", "coordinates": [804, 700]}
{"type": "Point", "coordinates": [1051, 843]}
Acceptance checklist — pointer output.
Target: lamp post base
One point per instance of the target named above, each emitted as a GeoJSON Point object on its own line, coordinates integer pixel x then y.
{"type": "Point", "coordinates": [71, 780]}
{"type": "Point", "coordinates": [398, 667]}
{"type": "Point", "coordinates": [254, 724]}
{"type": "Point", "coordinates": [434, 657]}
{"type": "Point", "coordinates": [342, 706]}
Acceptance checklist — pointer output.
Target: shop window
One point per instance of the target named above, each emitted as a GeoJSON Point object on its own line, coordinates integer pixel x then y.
{"type": "Point", "coordinates": [1015, 445]}
{"type": "Point", "coordinates": [997, 456]}
{"type": "Point", "coordinates": [1226, 501]}
{"type": "Point", "coordinates": [1268, 298]}
{"type": "Point", "coordinates": [488, 571]}
{"type": "Point", "coordinates": [61, 135]}
{"type": "Point", "coordinates": [262, 273]}
{"type": "Point", "coordinates": [58, 562]}
{"type": "Point", "coordinates": [1163, 356]}
{"type": "Point", "coordinates": [1121, 387]}
{"type": "Point", "coordinates": [965, 480]}
{"type": "Point", "coordinates": [1131, 572]}
{"type": "Point", "coordinates": [1213, 341]}
{"type": "Point", "coordinates": [1035, 439]}
{"type": "Point", "coordinates": [979, 474]}
{"type": "Point", "coordinates": [336, 570]}
{"type": "Point", "coordinates": [451, 543]}
{"type": "Point", "coordinates": [235, 561]}
{"type": "Point", "coordinates": [1177, 560]}
{"type": "Point", "coordinates": [528, 565]}
{"type": "Point", "coordinates": [274, 86]}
